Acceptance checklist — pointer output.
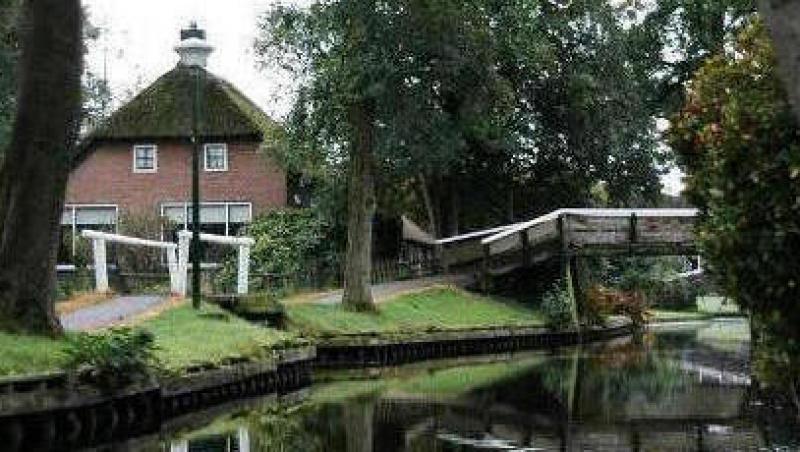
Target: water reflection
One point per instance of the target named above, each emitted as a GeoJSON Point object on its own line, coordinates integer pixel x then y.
{"type": "Point", "coordinates": [671, 389]}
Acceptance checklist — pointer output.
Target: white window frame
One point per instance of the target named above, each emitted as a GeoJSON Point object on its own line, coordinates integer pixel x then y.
{"type": "Point", "coordinates": [154, 169]}
{"type": "Point", "coordinates": [206, 148]}
{"type": "Point", "coordinates": [226, 204]}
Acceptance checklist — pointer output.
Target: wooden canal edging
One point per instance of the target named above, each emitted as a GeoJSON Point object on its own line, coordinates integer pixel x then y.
{"type": "Point", "coordinates": [49, 412]}
{"type": "Point", "coordinates": [354, 351]}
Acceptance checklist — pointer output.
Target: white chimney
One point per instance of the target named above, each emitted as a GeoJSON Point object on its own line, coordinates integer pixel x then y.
{"type": "Point", "coordinates": [193, 48]}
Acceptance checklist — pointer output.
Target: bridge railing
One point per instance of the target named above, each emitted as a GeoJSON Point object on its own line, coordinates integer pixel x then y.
{"type": "Point", "coordinates": [579, 230]}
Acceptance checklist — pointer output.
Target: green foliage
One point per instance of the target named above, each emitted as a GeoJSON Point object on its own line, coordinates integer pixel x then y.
{"type": "Point", "coordinates": [112, 359]}
{"type": "Point", "coordinates": [288, 242]}
{"type": "Point", "coordinates": [556, 307]}
{"type": "Point", "coordinates": [682, 34]}
{"type": "Point", "coordinates": [739, 144]}
{"type": "Point", "coordinates": [82, 280]}
{"type": "Point", "coordinates": [476, 102]}
{"type": "Point", "coordinates": [139, 259]}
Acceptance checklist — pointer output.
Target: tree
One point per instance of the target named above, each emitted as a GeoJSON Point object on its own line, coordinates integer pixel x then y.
{"type": "Point", "coordinates": [37, 162]}
{"type": "Point", "coordinates": [740, 146]}
{"type": "Point", "coordinates": [683, 34]}
{"type": "Point", "coordinates": [783, 19]}
{"type": "Point", "coordinates": [9, 50]}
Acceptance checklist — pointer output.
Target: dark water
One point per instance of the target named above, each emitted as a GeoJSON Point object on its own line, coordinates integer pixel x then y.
{"type": "Point", "coordinates": [676, 388]}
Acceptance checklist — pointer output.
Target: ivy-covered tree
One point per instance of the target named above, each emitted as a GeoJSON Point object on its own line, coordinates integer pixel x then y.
{"type": "Point", "coordinates": [739, 144]}
{"type": "Point", "coordinates": [37, 162]}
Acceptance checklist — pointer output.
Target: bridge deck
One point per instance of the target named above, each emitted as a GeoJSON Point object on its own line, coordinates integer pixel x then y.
{"type": "Point", "coordinates": [570, 232]}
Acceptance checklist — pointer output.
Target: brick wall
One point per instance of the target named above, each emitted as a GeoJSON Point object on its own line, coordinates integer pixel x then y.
{"type": "Point", "coordinates": [107, 177]}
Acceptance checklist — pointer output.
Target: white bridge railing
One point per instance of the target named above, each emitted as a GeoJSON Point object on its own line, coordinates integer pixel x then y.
{"type": "Point", "coordinates": [177, 257]}
{"type": "Point", "coordinates": [99, 240]}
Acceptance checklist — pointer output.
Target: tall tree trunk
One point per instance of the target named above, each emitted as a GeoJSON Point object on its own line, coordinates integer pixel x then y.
{"type": "Point", "coordinates": [430, 211]}
{"type": "Point", "coordinates": [360, 210]}
{"type": "Point", "coordinates": [783, 21]}
{"type": "Point", "coordinates": [37, 163]}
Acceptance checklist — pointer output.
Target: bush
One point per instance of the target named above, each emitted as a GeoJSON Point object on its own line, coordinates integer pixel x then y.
{"type": "Point", "coordinates": [740, 146]}
{"type": "Point", "coordinates": [602, 301]}
{"type": "Point", "coordinates": [288, 242]}
{"type": "Point", "coordinates": [113, 359]}
{"type": "Point", "coordinates": [139, 259]}
{"type": "Point", "coordinates": [557, 307]}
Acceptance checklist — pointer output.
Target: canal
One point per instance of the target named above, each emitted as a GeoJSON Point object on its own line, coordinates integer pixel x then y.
{"type": "Point", "coordinates": [676, 387]}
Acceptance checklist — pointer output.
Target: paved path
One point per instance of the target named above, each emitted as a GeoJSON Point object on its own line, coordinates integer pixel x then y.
{"type": "Point", "coordinates": [111, 312]}
{"type": "Point", "coordinates": [383, 292]}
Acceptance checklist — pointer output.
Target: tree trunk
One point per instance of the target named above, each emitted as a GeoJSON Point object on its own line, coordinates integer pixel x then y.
{"type": "Point", "coordinates": [37, 163]}
{"type": "Point", "coordinates": [783, 20]}
{"type": "Point", "coordinates": [360, 210]}
{"type": "Point", "coordinates": [425, 194]}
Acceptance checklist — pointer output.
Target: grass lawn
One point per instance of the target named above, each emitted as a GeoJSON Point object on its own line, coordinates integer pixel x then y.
{"type": "Point", "coordinates": [706, 308]}
{"type": "Point", "coordinates": [184, 336]}
{"type": "Point", "coordinates": [434, 309]}
{"type": "Point", "coordinates": [29, 354]}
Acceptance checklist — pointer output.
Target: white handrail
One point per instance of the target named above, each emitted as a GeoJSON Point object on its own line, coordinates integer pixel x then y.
{"type": "Point", "coordinates": [473, 235]}
{"type": "Point", "coordinates": [221, 239]}
{"type": "Point", "coordinates": [97, 235]}
{"type": "Point", "coordinates": [587, 212]}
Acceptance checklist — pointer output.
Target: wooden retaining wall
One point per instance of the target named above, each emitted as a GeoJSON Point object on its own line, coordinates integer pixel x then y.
{"type": "Point", "coordinates": [49, 413]}
{"type": "Point", "coordinates": [368, 351]}
{"type": "Point", "coordinates": [46, 413]}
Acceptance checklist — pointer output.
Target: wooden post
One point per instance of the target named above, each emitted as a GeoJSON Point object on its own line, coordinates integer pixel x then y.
{"type": "Point", "coordinates": [526, 248]}
{"type": "Point", "coordinates": [487, 254]}
{"type": "Point", "coordinates": [634, 232]}
{"type": "Point", "coordinates": [440, 256]}
{"type": "Point", "coordinates": [566, 270]}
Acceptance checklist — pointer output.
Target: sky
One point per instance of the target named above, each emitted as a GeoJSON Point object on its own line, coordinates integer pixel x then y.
{"type": "Point", "coordinates": [138, 37]}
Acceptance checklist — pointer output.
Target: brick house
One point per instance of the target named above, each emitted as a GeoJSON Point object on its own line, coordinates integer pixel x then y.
{"type": "Point", "coordinates": [139, 160]}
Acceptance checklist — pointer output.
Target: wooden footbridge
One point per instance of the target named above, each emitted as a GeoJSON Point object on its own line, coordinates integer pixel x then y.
{"type": "Point", "coordinates": [570, 233]}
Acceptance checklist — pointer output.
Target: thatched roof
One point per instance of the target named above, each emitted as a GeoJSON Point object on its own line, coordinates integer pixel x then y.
{"type": "Point", "coordinates": [164, 111]}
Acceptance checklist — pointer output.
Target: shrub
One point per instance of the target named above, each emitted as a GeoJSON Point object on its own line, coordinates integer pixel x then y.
{"type": "Point", "coordinates": [139, 259]}
{"type": "Point", "coordinates": [288, 242]}
{"type": "Point", "coordinates": [557, 307]}
{"type": "Point", "coordinates": [112, 359]}
{"type": "Point", "coordinates": [740, 146]}
{"type": "Point", "coordinates": [602, 301]}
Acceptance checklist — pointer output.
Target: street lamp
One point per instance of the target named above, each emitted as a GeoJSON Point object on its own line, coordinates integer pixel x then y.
{"type": "Point", "coordinates": [194, 51]}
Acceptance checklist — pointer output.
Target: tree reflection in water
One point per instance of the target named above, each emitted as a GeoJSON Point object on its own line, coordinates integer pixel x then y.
{"type": "Point", "coordinates": [640, 393]}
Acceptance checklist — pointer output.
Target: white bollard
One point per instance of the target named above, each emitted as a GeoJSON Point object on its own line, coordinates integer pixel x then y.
{"type": "Point", "coordinates": [243, 275]}
{"type": "Point", "coordinates": [184, 240]}
{"type": "Point", "coordinates": [100, 265]}
{"type": "Point", "coordinates": [174, 274]}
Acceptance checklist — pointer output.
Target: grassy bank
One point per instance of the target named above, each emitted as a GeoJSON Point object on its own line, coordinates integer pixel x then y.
{"type": "Point", "coordinates": [435, 309]}
{"type": "Point", "coordinates": [184, 338]}
{"type": "Point", "coordinates": [706, 308]}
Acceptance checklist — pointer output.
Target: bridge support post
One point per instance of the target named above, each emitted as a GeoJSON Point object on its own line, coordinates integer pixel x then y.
{"type": "Point", "coordinates": [567, 258]}
{"type": "Point", "coordinates": [485, 276]}
{"type": "Point", "coordinates": [526, 249]}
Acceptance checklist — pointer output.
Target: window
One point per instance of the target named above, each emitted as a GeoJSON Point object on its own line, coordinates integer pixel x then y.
{"type": "Point", "coordinates": [145, 158]}
{"type": "Point", "coordinates": [76, 218]}
{"type": "Point", "coordinates": [216, 157]}
{"type": "Point", "coordinates": [227, 216]}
